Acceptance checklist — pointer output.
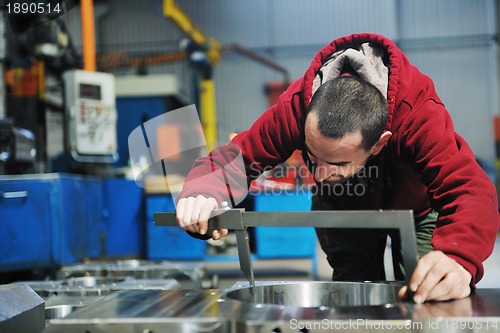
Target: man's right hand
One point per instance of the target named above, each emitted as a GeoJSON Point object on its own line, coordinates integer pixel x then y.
{"type": "Point", "coordinates": [193, 214]}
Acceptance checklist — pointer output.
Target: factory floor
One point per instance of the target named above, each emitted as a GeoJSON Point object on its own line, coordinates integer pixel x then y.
{"type": "Point", "coordinates": [228, 272]}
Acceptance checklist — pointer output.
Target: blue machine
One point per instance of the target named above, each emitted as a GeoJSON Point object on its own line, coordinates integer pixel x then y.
{"type": "Point", "coordinates": [284, 242]}
{"type": "Point", "coordinates": [123, 227]}
{"type": "Point", "coordinates": [169, 242]}
{"type": "Point", "coordinates": [50, 219]}
{"type": "Point", "coordinates": [134, 111]}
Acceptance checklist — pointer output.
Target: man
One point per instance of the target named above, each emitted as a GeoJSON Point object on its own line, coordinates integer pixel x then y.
{"type": "Point", "coordinates": [364, 116]}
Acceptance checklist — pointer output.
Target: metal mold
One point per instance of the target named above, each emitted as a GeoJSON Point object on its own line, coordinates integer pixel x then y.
{"type": "Point", "coordinates": [92, 281]}
{"type": "Point", "coordinates": [132, 263]}
{"type": "Point", "coordinates": [146, 284]}
{"type": "Point", "coordinates": [219, 311]}
{"type": "Point", "coordinates": [60, 311]}
{"type": "Point", "coordinates": [137, 269]}
{"type": "Point", "coordinates": [90, 286]}
{"type": "Point", "coordinates": [319, 294]}
{"type": "Point", "coordinates": [21, 310]}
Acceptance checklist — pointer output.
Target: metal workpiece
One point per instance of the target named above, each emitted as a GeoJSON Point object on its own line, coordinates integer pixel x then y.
{"type": "Point", "coordinates": [67, 296]}
{"type": "Point", "coordinates": [77, 287]}
{"type": "Point", "coordinates": [21, 309]}
{"type": "Point", "coordinates": [90, 286]}
{"type": "Point", "coordinates": [57, 307]}
{"type": "Point", "coordinates": [137, 269]}
{"type": "Point", "coordinates": [317, 294]}
{"type": "Point", "coordinates": [288, 306]}
{"type": "Point", "coordinates": [63, 297]}
{"type": "Point", "coordinates": [239, 220]}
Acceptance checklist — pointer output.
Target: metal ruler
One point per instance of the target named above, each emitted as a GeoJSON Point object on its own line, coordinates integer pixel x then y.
{"type": "Point", "coordinates": [238, 220]}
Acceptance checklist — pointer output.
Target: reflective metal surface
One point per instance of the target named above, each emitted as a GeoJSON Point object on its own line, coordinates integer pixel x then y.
{"type": "Point", "coordinates": [91, 281]}
{"type": "Point", "coordinates": [90, 286]}
{"type": "Point", "coordinates": [60, 311]}
{"type": "Point", "coordinates": [319, 294]}
{"type": "Point", "coordinates": [218, 311]}
{"type": "Point", "coordinates": [21, 309]}
{"type": "Point", "coordinates": [138, 269]}
{"type": "Point", "coordinates": [57, 307]}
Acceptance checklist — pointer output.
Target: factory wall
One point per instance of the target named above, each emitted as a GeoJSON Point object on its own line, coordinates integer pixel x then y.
{"type": "Point", "coordinates": [453, 42]}
{"type": "Point", "coordinates": [449, 40]}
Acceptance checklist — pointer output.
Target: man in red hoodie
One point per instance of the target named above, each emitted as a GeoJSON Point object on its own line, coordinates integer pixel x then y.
{"type": "Point", "coordinates": [375, 121]}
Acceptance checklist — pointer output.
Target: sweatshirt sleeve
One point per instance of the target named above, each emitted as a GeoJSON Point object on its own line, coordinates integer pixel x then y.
{"type": "Point", "coordinates": [225, 174]}
{"type": "Point", "coordinates": [458, 188]}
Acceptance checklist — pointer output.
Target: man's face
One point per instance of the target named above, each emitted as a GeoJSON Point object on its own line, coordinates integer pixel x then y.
{"type": "Point", "coordinates": [336, 160]}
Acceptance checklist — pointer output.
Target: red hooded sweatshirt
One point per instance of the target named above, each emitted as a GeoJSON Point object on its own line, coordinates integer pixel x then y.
{"type": "Point", "coordinates": [432, 166]}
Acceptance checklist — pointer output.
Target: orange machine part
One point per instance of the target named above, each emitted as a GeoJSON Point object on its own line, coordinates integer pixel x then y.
{"type": "Point", "coordinates": [88, 35]}
{"type": "Point", "coordinates": [496, 127]}
{"type": "Point", "coordinates": [169, 145]}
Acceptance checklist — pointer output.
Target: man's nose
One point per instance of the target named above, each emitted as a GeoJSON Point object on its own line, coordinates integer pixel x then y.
{"type": "Point", "coordinates": [323, 171]}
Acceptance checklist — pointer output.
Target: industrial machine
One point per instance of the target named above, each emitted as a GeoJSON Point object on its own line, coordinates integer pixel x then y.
{"type": "Point", "coordinates": [91, 116]}
{"type": "Point", "coordinates": [17, 148]}
{"type": "Point", "coordinates": [35, 59]}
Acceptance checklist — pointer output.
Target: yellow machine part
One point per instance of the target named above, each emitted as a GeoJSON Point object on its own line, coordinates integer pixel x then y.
{"type": "Point", "coordinates": [208, 114]}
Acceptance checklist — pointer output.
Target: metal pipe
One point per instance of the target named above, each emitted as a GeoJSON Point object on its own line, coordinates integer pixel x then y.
{"type": "Point", "coordinates": [88, 35]}
{"type": "Point", "coordinates": [257, 57]}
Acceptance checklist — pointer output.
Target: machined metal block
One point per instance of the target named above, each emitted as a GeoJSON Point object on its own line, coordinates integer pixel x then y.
{"type": "Point", "coordinates": [21, 309]}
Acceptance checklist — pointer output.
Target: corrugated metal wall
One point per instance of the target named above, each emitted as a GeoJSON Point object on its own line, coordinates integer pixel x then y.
{"type": "Point", "coordinates": [450, 40]}
{"type": "Point", "coordinates": [288, 31]}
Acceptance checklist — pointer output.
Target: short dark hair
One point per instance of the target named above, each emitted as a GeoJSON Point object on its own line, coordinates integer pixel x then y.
{"type": "Point", "coordinates": [349, 104]}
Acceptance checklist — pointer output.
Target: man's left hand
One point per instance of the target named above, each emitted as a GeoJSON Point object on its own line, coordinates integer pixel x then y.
{"type": "Point", "coordinates": [438, 277]}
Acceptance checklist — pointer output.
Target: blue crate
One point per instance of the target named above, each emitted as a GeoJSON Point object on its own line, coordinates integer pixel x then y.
{"type": "Point", "coordinates": [54, 220]}
{"type": "Point", "coordinates": [93, 194]}
{"type": "Point", "coordinates": [170, 243]}
{"type": "Point", "coordinates": [284, 242]}
{"type": "Point", "coordinates": [25, 228]}
{"type": "Point", "coordinates": [123, 221]}
{"type": "Point", "coordinates": [76, 205]}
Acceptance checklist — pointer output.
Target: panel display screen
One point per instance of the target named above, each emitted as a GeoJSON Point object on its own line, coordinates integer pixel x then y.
{"type": "Point", "coordinates": [90, 91]}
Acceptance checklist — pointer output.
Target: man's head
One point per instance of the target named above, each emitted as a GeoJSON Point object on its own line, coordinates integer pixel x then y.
{"type": "Point", "coordinates": [344, 127]}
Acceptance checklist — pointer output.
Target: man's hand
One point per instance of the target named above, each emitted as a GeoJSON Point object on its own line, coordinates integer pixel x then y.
{"type": "Point", "coordinates": [438, 277]}
{"type": "Point", "coordinates": [193, 214]}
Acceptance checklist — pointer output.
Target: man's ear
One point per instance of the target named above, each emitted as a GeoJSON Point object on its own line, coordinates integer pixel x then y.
{"type": "Point", "coordinates": [384, 138]}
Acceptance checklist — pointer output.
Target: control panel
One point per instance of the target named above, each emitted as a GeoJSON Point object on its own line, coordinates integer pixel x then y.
{"type": "Point", "coordinates": [91, 116]}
